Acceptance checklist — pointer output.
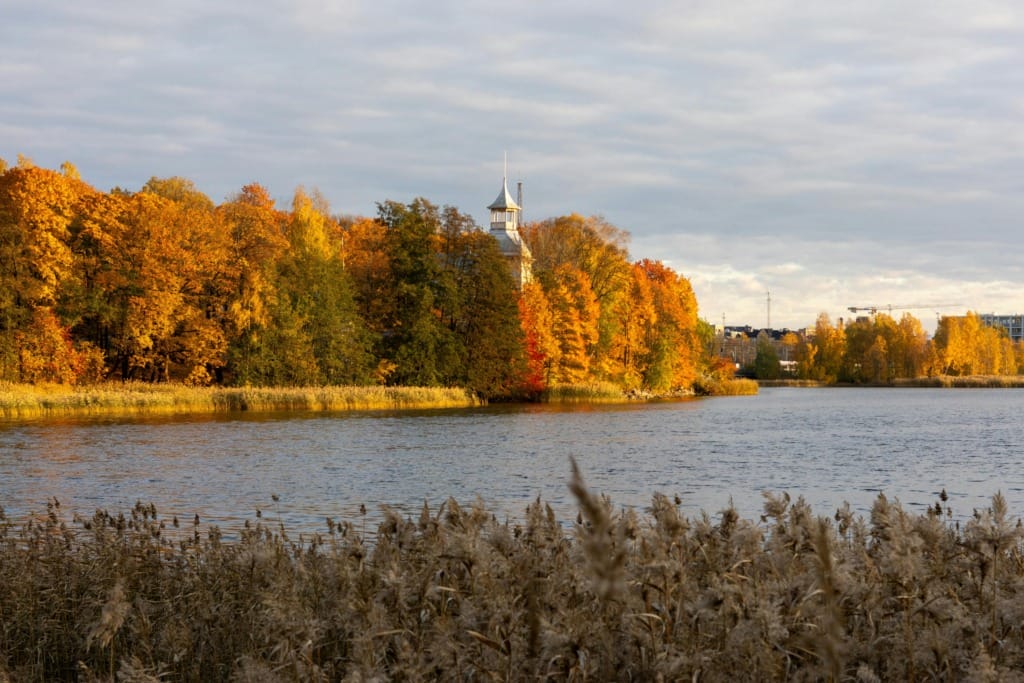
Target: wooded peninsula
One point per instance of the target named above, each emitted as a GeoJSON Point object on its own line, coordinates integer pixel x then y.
{"type": "Point", "coordinates": [163, 286]}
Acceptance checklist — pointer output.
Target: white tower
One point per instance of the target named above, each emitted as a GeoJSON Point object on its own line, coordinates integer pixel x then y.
{"type": "Point", "coordinates": [505, 229]}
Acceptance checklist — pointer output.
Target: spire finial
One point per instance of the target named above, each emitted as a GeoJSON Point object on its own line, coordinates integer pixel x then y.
{"type": "Point", "coordinates": [504, 174]}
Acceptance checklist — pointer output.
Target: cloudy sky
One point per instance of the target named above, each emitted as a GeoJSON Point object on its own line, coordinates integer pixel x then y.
{"type": "Point", "coordinates": [832, 153]}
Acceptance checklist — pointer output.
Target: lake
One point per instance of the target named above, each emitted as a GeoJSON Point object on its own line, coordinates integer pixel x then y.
{"type": "Point", "coordinates": [827, 444]}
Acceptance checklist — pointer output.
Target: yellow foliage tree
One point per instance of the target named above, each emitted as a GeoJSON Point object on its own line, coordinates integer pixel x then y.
{"type": "Point", "coordinates": [673, 344]}
{"type": "Point", "coordinates": [574, 313]}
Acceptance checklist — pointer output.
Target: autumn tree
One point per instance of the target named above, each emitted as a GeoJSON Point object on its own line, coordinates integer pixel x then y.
{"type": "Point", "coordinates": [47, 353]}
{"type": "Point", "coordinates": [36, 260]}
{"type": "Point", "coordinates": [147, 285]}
{"type": "Point", "coordinates": [674, 348]}
{"type": "Point", "coordinates": [866, 358]}
{"type": "Point", "coordinates": [198, 346]}
{"type": "Point", "coordinates": [152, 280]}
{"type": "Point", "coordinates": [92, 298]}
{"type": "Point", "coordinates": [966, 346]}
{"type": "Point", "coordinates": [257, 244]}
{"type": "Point", "coordinates": [822, 356]}
{"type": "Point", "coordinates": [36, 210]}
{"type": "Point", "coordinates": [955, 343]}
{"type": "Point", "coordinates": [365, 256]}
{"type": "Point", "coordinates": [574, 324]}
{"type": "Point", "coordinates": [596, 249]}
{"type": "Point", "coordinates": [541, 349]}
{"type": "Point", "coordinates": [636, 316]}
{"type": "Point", "coordinates": [318, 288]}
{"type": "Point", "coordinates": [908, 352]}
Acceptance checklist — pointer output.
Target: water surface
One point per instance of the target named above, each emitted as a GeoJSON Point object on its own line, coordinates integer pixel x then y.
{"type": "Point", "coordinates": [828, 445]}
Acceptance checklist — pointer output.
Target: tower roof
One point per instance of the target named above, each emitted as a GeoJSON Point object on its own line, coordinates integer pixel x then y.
{"type": "Point", "coordinates": [504, 202]}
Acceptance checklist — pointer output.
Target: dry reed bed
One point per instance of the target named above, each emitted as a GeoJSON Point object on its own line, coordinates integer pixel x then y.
{"type": "Point", "coordinates": [133, 398]}
{"type": "Point", "coordinates": [965, 382]}
{"type": "Point", "coordinates": [590, 392]}
{"type": "Point", "coordinates": [739, 386]}
{"type": "Point", "coordinates": [457, 595]}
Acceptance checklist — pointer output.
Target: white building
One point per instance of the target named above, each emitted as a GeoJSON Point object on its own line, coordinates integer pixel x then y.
{"type": "Point", "coordinates": [505, 229]}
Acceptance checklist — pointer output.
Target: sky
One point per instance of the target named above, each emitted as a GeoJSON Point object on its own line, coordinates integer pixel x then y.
{"type": "Point", "coordinates": [832, 154]}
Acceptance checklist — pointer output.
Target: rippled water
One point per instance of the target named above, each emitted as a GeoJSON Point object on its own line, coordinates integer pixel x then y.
{"type": "Point", "coordinates": [829, 445]}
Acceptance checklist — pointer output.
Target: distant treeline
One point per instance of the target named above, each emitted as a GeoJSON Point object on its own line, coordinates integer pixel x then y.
{"type": "Point", "coordinates": [880, 350]}
{"type": "Point", "coordinates": [161, 284]}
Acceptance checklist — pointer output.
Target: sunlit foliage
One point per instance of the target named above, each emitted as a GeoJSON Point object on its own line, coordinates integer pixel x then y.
{"type": "Point", "coordinates": [164, 285]}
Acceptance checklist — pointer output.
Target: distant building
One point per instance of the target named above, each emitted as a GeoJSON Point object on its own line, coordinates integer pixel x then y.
{"type": "Point", "coordinates": [505, 229]}
{"type": "Point", "coordinates": [1013, 324]}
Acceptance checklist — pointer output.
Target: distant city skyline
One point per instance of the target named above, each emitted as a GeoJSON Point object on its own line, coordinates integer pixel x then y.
{"type": "Point", "coordinates": [835, 155]}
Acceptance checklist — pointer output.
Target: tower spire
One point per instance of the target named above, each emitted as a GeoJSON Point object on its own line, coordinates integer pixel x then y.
{"type": "Point", "coordinates": [505, 228]}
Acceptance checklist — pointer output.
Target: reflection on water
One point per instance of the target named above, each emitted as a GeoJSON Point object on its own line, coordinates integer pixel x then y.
{"type": "Point", "coordinates": [829, 445]}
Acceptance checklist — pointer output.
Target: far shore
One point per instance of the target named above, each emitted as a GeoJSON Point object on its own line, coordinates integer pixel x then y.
{"type": "Point", "coordinates": [938, 382]}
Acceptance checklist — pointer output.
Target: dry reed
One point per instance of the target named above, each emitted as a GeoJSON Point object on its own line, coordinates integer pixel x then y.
{"type": "Point", "coordinates": [964, 382]}
{"type": "Point", "coordinates": [738, 386]}
{"type": "Point", "coordinates": [593, 392]}
{"type": "Point", "coordinates": [458, 595]}
{"type": "Point", "coordinates": [134, 398]}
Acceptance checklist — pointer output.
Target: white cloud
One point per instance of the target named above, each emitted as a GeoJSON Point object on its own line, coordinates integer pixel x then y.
{"type": "Point", "coordinates": [833, 153]}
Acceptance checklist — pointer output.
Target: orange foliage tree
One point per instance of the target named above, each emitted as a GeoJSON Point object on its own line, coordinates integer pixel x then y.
{"type": "Point", "coordinates": [672, 343]}
{"type": "Point", "coordinates": [161, 284]}
{"type": "Point", "coordinates": [36, 261]}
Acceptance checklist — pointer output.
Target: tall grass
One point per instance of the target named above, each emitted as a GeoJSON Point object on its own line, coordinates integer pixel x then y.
{"type": "Point", "coordinates": [458, 595]}
{"type": "Point", "coordinates": [965, 382]}
{"type": "Point", "coordinates": [791, 382]}
{"type": "Point", "coordinates": [592, 392]}
{"type": "Point", "coordinates": [736, 386]}
{"type": "Point", "coordinates": [23, 400]}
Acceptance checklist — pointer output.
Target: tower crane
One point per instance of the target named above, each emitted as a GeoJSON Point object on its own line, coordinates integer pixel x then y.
{"type": "Point", "coordinates": [890, 308]}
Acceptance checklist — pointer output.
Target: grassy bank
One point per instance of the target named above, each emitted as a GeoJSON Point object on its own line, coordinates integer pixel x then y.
{"type": "Point", "coordinates": [140, 398]}
{"type": "Point", "coordinates": [965, 382]}
{"type": "Point", "coordinates": [456, 595]}
{"type": "Point", "coordinates": [134, 398]}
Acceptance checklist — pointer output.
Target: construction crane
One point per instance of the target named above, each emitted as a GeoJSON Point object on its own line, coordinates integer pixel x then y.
{"type": "Point", "coordinates": [890, 308]}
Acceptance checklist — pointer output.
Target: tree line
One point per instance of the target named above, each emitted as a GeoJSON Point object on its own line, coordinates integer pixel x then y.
{"type": "Point", "coordinates": [162, 284]}
{"type": "Point", "coordinates": [881, 349]}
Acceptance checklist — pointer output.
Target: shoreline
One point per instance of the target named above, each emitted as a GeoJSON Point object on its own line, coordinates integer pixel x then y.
{"type": "Point", "coordinates": [25, 401]}
{"type": "Point", "coordinates": [939, 382]}
{"type": "Point", "coordinates": [138, 399]}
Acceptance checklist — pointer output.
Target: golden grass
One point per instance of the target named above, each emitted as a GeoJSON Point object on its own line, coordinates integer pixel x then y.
{"type": "Point", "coordinates": [792, 383]}
{"type": "Point", "coordinates": [965, 382]}
{"type": "Point", "coordinates": [136, 398]}
{"type": "Point", "coordinates": [708, 386]}
{"type": "Point", "coordinates": [592, 392]}
{"type": "Point", "coordinates": [457, 595]}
